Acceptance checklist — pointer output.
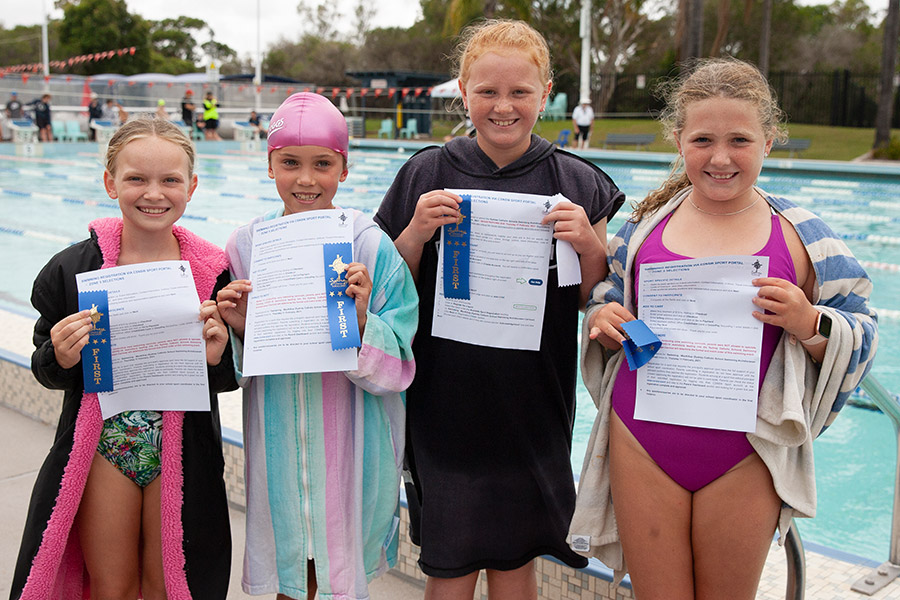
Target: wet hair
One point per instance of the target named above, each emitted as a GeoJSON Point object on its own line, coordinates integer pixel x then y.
{"type": "Point", "coordinates": [701, 80]}
{"type": "Point", "coordinates": [501, 35]}
{"type": "Point", "coordinates": [146, 127]}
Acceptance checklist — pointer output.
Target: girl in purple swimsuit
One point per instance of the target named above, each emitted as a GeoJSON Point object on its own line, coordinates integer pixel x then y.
{"type": "Point", "coordinates": [696, 508]}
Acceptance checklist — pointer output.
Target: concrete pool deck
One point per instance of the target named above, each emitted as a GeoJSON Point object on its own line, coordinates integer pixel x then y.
{"type": "Point", "coordinates": [26, 431]}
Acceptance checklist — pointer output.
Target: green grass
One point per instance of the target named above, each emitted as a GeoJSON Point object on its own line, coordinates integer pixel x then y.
{"type": "Point", "coordinates": [828, 143]}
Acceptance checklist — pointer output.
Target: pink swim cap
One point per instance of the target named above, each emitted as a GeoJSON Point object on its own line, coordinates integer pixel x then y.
{"type": "Point", "coordinates": [308, 119]}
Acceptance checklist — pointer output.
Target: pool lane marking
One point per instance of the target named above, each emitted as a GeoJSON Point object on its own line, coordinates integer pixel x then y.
{"type": "Point", "coordinates": [858, 217]}
{"type": "Point", "coordinates": [880, 266]}
{"type": "Point", "coordinates": [36, 235]}
{"type": "Point", "coordinates": [883, 313]}
{"type": "Point", "coordinates": [109, 205]}
{"type": "Point", "coordinates": [380, 190]}
{"type": "Point", "coordinates": [887, 313]}
{"type": "Point", "coordinates": [51, 161]}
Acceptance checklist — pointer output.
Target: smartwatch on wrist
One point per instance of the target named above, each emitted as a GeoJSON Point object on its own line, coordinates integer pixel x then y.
{"type": "Point", "coordinates": [823, 330]}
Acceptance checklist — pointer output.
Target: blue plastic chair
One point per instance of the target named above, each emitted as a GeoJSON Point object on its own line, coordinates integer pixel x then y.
{"type": "Point", "coordinates": [556, 108]}
{"type": "Point", "coordinates": [411, 130]}
{"type": "Point", "coordinates": [59, 130]}
{"type": "Point", "coordinates": [387, 128]}
{"type": "Point", "coordinates": [74, 133]}
{"type": "Point", "coordinates": [563, 138]}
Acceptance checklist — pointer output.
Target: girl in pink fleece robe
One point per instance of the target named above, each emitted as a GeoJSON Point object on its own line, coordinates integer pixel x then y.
{"type": "Point", "coordinates": [106, 521]}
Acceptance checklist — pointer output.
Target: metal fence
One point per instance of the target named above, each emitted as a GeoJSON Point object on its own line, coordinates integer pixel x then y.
{"type": "Point", "coordinates": [840, 98]}
{"type": "Point", "coordinates": [140, 94]}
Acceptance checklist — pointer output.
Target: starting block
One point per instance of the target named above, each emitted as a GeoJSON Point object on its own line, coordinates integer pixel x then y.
{"type": "Point", "coordinates": [105, 131]}
{"type": "Point", "coordinates": [25, 137]}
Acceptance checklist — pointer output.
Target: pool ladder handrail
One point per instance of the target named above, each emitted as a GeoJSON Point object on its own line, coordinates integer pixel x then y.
{"type": "Point", "coordinates": [882, 575]}
{"type": "Point", "coordinates": [796, 564]}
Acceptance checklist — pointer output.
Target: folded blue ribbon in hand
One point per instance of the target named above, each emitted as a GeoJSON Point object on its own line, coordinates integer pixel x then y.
{"type": "Point", "coordinates": [640, 345]}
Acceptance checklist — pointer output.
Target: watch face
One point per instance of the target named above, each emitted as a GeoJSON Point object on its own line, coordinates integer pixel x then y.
{"type": "Point", "coordinates": [824, 325]}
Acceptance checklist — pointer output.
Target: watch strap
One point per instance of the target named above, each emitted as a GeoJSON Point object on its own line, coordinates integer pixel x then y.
{"type": "Point", "coordinates": [817, 337]}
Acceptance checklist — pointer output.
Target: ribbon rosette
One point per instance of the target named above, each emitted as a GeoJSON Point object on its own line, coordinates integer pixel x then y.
{"type": "Point", "coordinates": [342, 322]}
{"type": "Point", "coordinates": [96, 356]}
{"type": "Point", "coordinates": [456, 252]}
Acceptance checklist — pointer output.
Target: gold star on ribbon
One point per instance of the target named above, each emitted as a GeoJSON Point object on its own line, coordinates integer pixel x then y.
{"type": "Point", "coordinates": [95, 314]}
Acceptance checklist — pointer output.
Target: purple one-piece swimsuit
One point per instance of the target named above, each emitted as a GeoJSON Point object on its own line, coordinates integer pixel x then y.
{"type": "Point", "coordinates": [694, 456]}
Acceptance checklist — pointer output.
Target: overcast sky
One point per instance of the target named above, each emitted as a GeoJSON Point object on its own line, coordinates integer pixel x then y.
{"type": "Point", "coordinates": [233, 21]}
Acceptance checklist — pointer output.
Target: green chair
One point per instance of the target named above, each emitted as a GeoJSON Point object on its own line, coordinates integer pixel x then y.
{"type": "Point", "coordinates": [74, 133]}
{"type": "Point", "coordinates": [387, 128]}
{"type": "Point", "coordinates": [411, 130]}
{"type": "Point", "coordinates": [555, 109]}
{"type": "Point", "coordinates": [59, 130]}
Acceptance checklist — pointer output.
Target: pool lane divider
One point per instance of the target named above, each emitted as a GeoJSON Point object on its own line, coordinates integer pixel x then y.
{"type": "Point", "coordinates": [883, 313]}
{"type": "Point", "coordinates": [380, 189]}
{"type": "Point", "coordinates": [858, 237]}
{"type": "Point", "coordinates": [879, 266]}
{"type": "Point", "coordinates": [51, 161]}
{"type": "Point", "coordinates": [36, 235]}
{"type": "Point", "coordinates": [109, 205]}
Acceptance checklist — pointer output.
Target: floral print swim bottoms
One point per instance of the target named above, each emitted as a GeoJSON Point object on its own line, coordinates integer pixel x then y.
{"type": "Point", "coordinates": [131, 442]}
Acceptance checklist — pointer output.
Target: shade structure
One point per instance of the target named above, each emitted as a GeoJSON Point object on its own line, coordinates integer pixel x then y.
{"type": "Point", "coordinates": [448, 89]}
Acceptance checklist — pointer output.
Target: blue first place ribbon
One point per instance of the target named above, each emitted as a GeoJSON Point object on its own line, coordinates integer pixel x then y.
{"type": "Point", "coordinates": [456, 252]}
{"type": "Point", "coordinates": [640, 345]}
{"type": "Point", "coordinates": [96, 356]}
{"type": "Point", "coordinates": [342, 322]}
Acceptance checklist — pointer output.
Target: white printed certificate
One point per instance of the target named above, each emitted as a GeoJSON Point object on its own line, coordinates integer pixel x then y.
{"type": "Point", "coordinates": [287, 317]}
{"type": "Point", "coordinates": [707, 372]}
{"type": "Point", "coordinates": [158, 351]}
{"type": "Point", "coordinates": [509, 259]}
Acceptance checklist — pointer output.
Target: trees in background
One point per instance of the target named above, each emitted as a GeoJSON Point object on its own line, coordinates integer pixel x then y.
{"type": "Point", "coordinates": [96, 26]}
{"type": "Point", "coordinates": [175, 45]}
{"type": "Point", "coordinates": [90, 26]}
{"type": "Point", "coordinates": [888, 72]}
{"type": "Point", "coordinates": [630, 36]}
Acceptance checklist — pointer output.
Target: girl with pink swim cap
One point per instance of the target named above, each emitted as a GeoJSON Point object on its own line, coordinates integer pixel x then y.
{"type": "Point", "coordinates": [324, 450]}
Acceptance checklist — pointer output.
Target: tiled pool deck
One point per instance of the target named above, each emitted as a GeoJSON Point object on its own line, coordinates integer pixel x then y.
{"type": "Point", "coordinates": [828, 575]}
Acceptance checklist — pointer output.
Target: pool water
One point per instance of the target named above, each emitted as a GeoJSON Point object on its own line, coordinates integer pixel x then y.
{"type": "Point", "coordinates": [48, 202]}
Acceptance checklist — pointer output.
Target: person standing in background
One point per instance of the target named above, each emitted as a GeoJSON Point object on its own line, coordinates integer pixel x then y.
{"type": "Point", "coordinates": [255, 121]}
{"type": "Point", "coordinates": [13, 110]}
{"type": "Point", "coordinates": [114, 113]}
{"type": "Point", "coordinates": [42, 118]}
{"type": "Point", "coordinates": [187, 108]}
{"type": "Point", "coordinates": [211, 117]}
{"type": "Point", "coordinates": [14, 106]}
{"type": "Point", "coordinates": [95, 112]}
{"type": "Point", "coordinates": [582, 123]}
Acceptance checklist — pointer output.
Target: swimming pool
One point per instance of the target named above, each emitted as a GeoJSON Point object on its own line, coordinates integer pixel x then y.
{"type": "Point", "coordinates": [48, 202]}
